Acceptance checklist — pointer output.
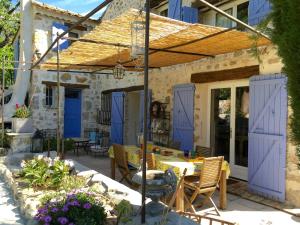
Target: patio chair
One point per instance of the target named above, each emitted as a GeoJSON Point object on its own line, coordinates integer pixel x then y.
{"type": "Point", "coordinates": [101, 144]}
{"type": "Point", "coordinates": [206, 183]}
{"type": "Point", "coordinates": [122, 165]}
{"type": "Point", "coordinates": [203, 151]}
{"type": "Point", "coordinates": [150, 160]}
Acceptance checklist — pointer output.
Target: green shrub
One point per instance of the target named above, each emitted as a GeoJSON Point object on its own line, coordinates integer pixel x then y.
{"type": "Point", "coordinates": [74, 208]}
{"type": "Point", "coordinates": [44, 172]}
{"type": "Point", "coordinates": [22, 111]}
{"type": "Point", "coordinates": [68, 144]}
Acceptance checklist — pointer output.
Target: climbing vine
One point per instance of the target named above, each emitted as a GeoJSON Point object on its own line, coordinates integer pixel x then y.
{"type": "Point", "coordinates": [286, 35]}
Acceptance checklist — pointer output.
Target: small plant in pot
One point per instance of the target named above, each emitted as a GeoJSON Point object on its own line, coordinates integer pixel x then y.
{"type": "Point", "coordinates": [22, 122]}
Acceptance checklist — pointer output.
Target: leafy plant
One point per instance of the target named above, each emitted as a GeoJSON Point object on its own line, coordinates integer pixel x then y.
{"type": "Point", "coordinates": [70, 183]}
{"type": "Point", "coordinates": [74, 208]}
{"type": "Point", "coordinates": [44, 172]}
{"type": "Point", "coordinates": [22, 111]}
{"type": "Point", "coordinates": [68, 144]}
{"type": "Point", "coordinates": [286, 35]}
{"type": "Point", "coordinates": [124, 211]}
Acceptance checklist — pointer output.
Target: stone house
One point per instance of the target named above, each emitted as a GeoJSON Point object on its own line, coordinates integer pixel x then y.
{"type": "Point", "coordinates": [216, 103]}
{"type": "Point", "coordinates": [233, 104]}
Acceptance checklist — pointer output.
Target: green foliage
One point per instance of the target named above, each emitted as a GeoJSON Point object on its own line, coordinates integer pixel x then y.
{"type": "Point", "coordinates": [71, 183]}
{"type": "Point", "coordinates": [74, 208]}
{"type": "Point", "coordinates": [68, 144]}
{"type": "Point", "coordinates": [286, 35]}
{"type": "Point", "coordinates": [44, 172]}
{"type": "Point", "coordinates": [9, 24]}
{"type": "Point", "coordinates": [124, 211]}
{"type": "Point", "coordinates": [5, 140]}
{"type": "Point", "coordinates": [22, 112]}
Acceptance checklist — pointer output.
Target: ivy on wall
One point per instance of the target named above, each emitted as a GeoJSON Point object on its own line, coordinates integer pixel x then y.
{"type": "Point", "coordinates": [286, 35]}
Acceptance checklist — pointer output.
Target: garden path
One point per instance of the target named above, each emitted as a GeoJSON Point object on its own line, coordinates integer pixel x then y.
{"type": "Point", "coordinates": [9, 212]}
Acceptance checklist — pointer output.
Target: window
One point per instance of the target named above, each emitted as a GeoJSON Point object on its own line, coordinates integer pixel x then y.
{"type": "Point", "coordinates": [73, 35]}
{"type": "Point", "coordinates": [164, 13]}
{"type": "Point", "coordinates": [222, 21]}
{"type": "Point", "coordinates": [49, 96]}
{"type": "Point", "coordinates": [242, 13]}
{"type": "Point", "coordinates": [105, 112]}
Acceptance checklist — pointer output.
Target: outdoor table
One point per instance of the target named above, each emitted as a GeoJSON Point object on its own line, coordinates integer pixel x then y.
{"type": "Point", "coordinates": [80, 143]}
{"type": "Point", "coordinates": [178, 164]}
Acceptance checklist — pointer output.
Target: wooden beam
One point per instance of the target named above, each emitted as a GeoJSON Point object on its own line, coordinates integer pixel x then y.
{"type": "Point", "coordinates": [67, 85]}
{"type": "Point", "coordinates": [222, 75]}
{"type": "Point", "coordinates": [127, 89]}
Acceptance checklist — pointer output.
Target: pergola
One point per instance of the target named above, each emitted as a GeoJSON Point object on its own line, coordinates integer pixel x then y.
{"type": "Point", "coordinates": [167, 42]}
{"type": "Point", "coordinates": [172, 42]}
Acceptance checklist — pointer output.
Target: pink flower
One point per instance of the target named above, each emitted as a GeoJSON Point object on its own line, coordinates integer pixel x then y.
{"type": "Point", "coordinates": [17, 106]}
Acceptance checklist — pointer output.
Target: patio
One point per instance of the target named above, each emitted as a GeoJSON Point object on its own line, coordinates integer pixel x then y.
{"type": "Point", "coordinates": [238, 209]}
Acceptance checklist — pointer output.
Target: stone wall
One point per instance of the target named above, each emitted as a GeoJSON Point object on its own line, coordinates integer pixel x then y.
{"type": "Point", "coordinates": [45, 117]}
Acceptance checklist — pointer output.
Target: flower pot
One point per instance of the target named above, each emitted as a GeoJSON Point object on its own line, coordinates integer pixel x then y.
{"type": "Point", "coordinates": [22, 125]}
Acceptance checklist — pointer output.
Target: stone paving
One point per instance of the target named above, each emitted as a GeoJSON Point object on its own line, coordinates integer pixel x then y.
{"type": "Point", "coordinates": [9, 212]}
{"type": "Point", "coordinates": [239, 210]}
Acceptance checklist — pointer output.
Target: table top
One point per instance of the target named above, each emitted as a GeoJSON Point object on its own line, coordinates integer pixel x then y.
{"type": "Point", "coordinates": [80, 139]}
{"type": "Point", "coordinates": [174, 161]}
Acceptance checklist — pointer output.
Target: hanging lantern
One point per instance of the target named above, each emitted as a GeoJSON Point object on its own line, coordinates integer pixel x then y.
{"type": "Point", "coordinates": [119, 71]}
{"type": "Point", "coordinates": [138, 38]}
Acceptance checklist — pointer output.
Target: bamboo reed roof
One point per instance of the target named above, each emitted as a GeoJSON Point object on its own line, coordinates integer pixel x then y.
{"type": "Point", "coordinates": [171, 42]}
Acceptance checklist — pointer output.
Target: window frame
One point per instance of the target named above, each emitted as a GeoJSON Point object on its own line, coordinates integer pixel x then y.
{"type": "Point", "coordinates": [50, 98]}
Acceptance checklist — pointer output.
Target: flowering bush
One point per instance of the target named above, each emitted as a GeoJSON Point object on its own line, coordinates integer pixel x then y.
{"type": "Point", "coordinates": [75, 208]}
{"type": "Point", "coordinates": [45, 172]}
{"type": "Point", "coordinates": [22, 111]}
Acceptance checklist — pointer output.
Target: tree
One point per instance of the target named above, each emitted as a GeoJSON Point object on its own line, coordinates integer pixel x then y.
{"type": "Point", "coordinates": [9, 24]}
{"type": "Point", "coordinates": [286, 35]}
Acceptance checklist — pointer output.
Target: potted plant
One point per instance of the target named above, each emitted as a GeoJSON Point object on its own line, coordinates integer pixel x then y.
{"type": "Point", "coordinates": [22, 122]}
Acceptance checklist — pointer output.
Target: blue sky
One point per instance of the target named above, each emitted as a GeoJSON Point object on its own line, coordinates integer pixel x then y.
{"type": "Point", "coordinates": [78, 6]}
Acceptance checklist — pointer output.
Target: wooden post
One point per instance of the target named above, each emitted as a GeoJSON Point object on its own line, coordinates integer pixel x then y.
{"type": "Point", "coordinates": [58, 102]}
{"type": "Point", "coordinates": [113, 168]}
{"type": "Point", "coordinates": [223, 190]}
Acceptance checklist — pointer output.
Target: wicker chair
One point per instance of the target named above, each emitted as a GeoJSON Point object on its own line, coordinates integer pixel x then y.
{"type": "Point", "coordinates": [205, 183]}
{"type": "Point", "coordinates": [122, 165]}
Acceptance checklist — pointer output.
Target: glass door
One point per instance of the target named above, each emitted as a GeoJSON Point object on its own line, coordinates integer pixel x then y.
{"type": "Point", "coordinates": [229, 118]}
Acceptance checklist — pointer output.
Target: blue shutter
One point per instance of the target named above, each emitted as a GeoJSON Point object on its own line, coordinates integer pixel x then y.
{"type": "Point", "coordinates": [174, 11]}
{"type": "Point", "coordinates": [258, 10]}
{"type": "Point", "coordinates": [59, 28]}
{"type": "Point", "coordinates": [267, 136]}
{"type": "Point", "coordinates": [142, 112]}
{"type": "Point", "coordinates": [16, 57]}
{"type": "Point", "coordinates": [117, 117]}
{"type": "Point", "coordinates": [189, 14]}
{"type": "Point", "coordinates": [183, 115]}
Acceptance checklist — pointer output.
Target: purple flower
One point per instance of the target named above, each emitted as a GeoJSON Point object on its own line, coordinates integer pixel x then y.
{"type": "Point", "coordinates": [42, 210]}
{"type": "Point", "coordinates": [71, 224]}
{"type": "Point", "coordinates": [74, 203]}
{"type": "Point", "coordinates": [47, 224]}
{"type": "Point", "coordinates": [62, 220]}
{"type": "Point", "coordinates": [87, 205]}
{"type": "Point", "coordinates": [65, 208]}
{"type": "Point", "coordinates": [47, 219]}
{"type": "Point", "coordinates": [54, 210]}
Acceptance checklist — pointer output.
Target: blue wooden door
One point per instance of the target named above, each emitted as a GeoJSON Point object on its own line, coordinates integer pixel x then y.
{"type": "Point", "coordinates": [142, 111]}
{"type": "Point", "coordinates": [117, 117]}
{"type": "Point", "coordinates": [258, 10]}
{"type": "Point", "coordinates": [183, 115]}
{"type": "Point", "coordinates": [267, 136]}
{"type": "Point", "coordinates": [72, 114]}
{"type": "Point", "coordinates": [174, 11]}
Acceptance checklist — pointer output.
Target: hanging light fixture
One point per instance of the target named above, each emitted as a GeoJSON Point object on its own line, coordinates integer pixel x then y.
{"type": "Point", "coordinates": [119, 70]}
{"type": "Point", "coordinates": [138, 39]}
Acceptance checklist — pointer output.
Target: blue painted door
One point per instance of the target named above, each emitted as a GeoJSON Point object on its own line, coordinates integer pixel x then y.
{"type": "Point", "coordinates": [117, 117]}
{"type": "Point", "coordinates": [72, 114]}
{"type": "Point", "coordinates": [190, 14]}
{"type": "Point", "coordinates": [174, 11]}
{"type": "Point", "coordinates": [267, 136]}
{"type": "Point", "coordinates": [183, 115]}
{"type": "Point", "coordinates": [258, 10]}
{"type": "Point", "coordinates": [142, 111]}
